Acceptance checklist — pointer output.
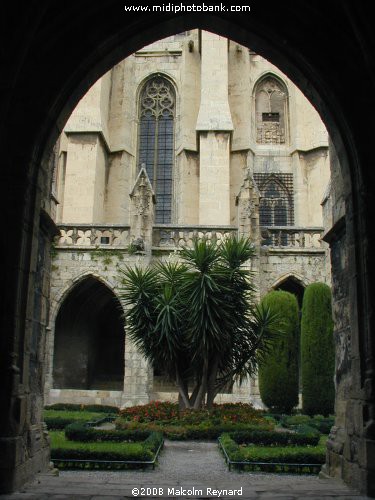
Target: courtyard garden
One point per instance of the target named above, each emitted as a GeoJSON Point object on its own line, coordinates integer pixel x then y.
{"type": "Point", "coordinates": [197, 322]}
{"type": "Point", "coordinates": [249, 439]}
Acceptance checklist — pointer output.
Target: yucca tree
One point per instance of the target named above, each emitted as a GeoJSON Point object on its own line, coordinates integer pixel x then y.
{"type": "Point", "coordinates": [196, 319]}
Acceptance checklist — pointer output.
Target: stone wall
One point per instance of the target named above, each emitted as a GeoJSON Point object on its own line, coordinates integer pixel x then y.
{"type": "Point", "coordinates": [351, 443]}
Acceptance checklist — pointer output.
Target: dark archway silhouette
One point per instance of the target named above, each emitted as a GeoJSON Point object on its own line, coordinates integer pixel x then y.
{"type": "Point", "coordinates": [51, 54]}
{"type": "Point", "coordinates": [292, 285]}
{"type": "Point", "coordinates": [89, 339]}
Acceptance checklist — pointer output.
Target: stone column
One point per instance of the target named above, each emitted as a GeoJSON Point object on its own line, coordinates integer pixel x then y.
{"type": "Point", "coordinates": [214, 126]}
{"type": "Point", "coordinates": [136, 378]}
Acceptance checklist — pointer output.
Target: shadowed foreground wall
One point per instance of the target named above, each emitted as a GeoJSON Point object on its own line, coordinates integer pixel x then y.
{"type": "Point", "coordinates": [50, 54]}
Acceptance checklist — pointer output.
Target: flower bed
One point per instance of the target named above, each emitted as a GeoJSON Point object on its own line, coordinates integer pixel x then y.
{"type": "Point", "coordinates": [241, 454]}
{"type": "Point", "coordinates": [202, 431]}
{"type": "Point", "coordinates": [192, 424]}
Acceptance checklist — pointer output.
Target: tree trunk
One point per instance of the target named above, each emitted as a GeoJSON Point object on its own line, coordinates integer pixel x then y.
{"type": "Point", "coordinates": [183, 396]}
{"type": "Point", "coordinates": [211, 392]}
{"type": "Point", "coordinates": [194, 394]}
{"type": "Point", "coordinates": [203, 386]}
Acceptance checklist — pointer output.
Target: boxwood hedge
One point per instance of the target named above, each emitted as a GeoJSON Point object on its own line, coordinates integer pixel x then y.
{"type": "Point", "coordinates": [272, 454]}
{"type": "Point", "coordinates": [78, 431]}
{"type": "Point", "coordinates": [63, 449]}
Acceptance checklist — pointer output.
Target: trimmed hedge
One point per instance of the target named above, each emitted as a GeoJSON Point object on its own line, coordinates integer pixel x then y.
{"type": "Point", "coordinates": [304, 436]}
{"type": "Point", "coordinates": [59, 419]}
{"type": "Point", "coordinates": [62, 449]}
{"type": "Point", "coordinates": [78, 431]}
{"type": "Point", "coordinates": [75, 407]}
{"type": "Point", "coordinates": [278, 373]}
{"type": "Point", "coordinates": [273, 454]}
{"type": "Point", "coordinates": [317, 351]}
{"type": "Point", "coordinates": [318, 422]}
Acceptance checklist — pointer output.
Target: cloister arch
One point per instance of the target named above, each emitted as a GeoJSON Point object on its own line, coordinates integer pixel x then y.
{"type": "Point", "coordinates": [293, 284]}
{"type": "Point", "coordinates": [36, 102]}
{"type": "Point", "coordinates": [89, 338]}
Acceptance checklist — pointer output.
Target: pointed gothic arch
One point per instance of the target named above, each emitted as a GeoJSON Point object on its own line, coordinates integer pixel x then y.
{"type": "Point", "coordinates": [157, 110]}
{"type": "Point", "coordinates": [89, 338]}
{"type": "Point", "coordinates": [271, 110]}
{"type": "Point", "coordinates": [36, 104]}
{"type": "Point", "coordinates": [292, 284]}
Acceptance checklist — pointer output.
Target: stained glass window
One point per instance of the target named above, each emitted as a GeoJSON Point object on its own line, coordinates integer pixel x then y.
{"type": "Point", "coordinates": [156, 142]}
{"type": "Point", "coordinates": [276, 207]}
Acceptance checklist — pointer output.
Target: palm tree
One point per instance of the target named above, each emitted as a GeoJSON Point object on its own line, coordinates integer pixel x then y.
{"type": "Point", "coordinates": [197, 320]}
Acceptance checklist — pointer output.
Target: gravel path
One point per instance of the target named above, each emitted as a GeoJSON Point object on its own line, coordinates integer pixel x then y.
{"type": "Point", "coordinates": [186, 470]}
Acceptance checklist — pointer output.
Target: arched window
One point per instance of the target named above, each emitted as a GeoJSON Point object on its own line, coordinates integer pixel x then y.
{"type": "Point", "coordinates": [276, 203]}
{"type": "Point", "coordinates": [270, 111]}
{"type": "Point", "coordinates": [276, 206]}
{"type": "Point", "coordinates": [156, 142]}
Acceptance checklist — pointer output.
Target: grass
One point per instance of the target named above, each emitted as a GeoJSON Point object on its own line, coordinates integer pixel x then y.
{"type": "Point", "coordinates": [292, 454]}
{"type": "Point", "coordinates": [73, 415]}
{"type": "Point", "coordinates": [103, 454]}
{"type": "Point", "coordinates": [59, 441]}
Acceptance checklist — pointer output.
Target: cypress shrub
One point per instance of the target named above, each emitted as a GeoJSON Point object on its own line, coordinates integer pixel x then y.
{"type": "Point", "coordinates": [317, 351]}
{"type": "Point", "coordinates": [278, 372]}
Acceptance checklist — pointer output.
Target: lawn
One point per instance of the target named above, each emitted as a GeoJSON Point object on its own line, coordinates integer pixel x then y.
{"type": "Point", "coordinates": [58, 419]}
{"type": "Point", "coordinates": [60, 442]}
{"type": "Point", "coordinates": [73, 415]}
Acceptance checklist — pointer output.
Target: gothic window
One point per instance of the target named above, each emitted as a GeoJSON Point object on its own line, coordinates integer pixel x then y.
{"type": "Point", "coordinates": [276, 207]}
{"type": "Point", "coordinates": [156, 142]}
{"type": "Point", "coordinates": [270, 111]}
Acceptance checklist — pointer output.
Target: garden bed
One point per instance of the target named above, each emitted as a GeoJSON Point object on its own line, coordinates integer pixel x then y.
{"type": "Point", "coordinates": [59, 415]}
{"type": "Point", "coordinates": [134, 452]}
{"type": "Point", "coordinates": [318, 422]}
{"type": "Point", "coordinates": [192, 424]}
{"type": "Point", "coordinates": [59, 419]}
{"type": "Point", "coordinates": [246, 452]}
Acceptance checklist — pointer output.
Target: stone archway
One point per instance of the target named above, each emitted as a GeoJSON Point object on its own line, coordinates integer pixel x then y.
{"type": "Point", "coordinates": [51, 65]}
{"type": "Point", "coordinates": [89, 339]}
{"type": "Point", "coordinates": [293, 285]}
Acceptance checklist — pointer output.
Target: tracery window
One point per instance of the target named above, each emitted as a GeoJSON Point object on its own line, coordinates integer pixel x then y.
{"type": "Point", "coordinates": [276, 207]}
{"type": "Point", "coordinates": [270, 111]}
{"type": "Point", "coordinates": [156, 142]}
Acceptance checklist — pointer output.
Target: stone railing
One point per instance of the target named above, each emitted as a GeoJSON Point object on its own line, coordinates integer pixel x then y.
{"type": "Point", "coordinates": [169, 236]}
{"type": "Point", "coordinates": [93, 235]}
{"type": "Point", "coordinates": [292, 237]}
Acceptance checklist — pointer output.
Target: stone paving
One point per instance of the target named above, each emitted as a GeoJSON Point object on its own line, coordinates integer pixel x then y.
{"type": "Point", "coordinates": [186, 470]}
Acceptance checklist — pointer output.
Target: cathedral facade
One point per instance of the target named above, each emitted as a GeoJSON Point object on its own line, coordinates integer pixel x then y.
{"type": "Point", "coordinates": [192, 136]}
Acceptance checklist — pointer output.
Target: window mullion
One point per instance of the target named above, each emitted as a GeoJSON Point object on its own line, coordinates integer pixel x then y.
{"type": "Point", "coordinates": [156, 149]}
